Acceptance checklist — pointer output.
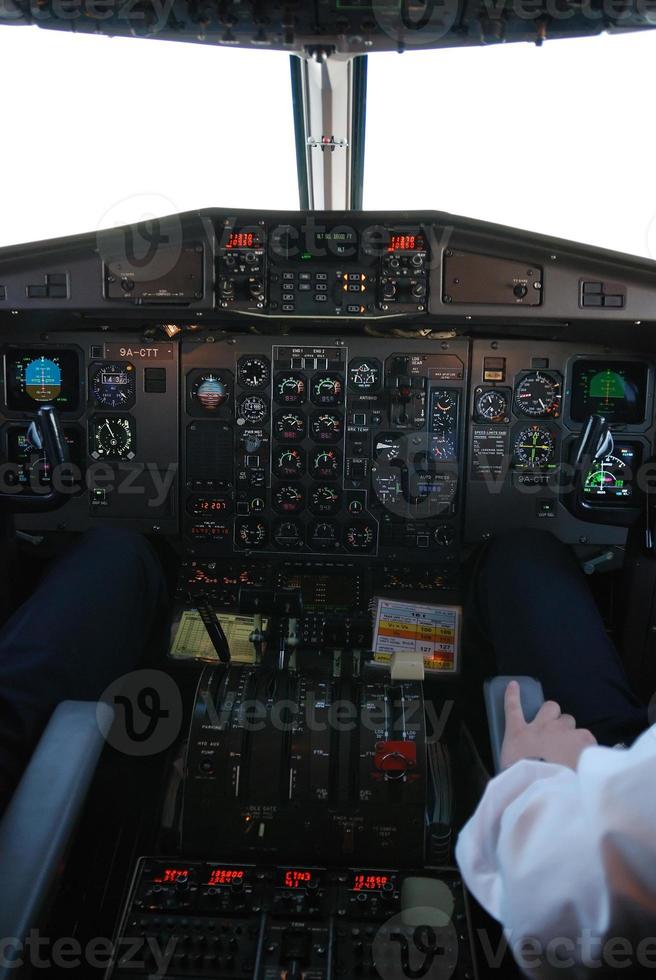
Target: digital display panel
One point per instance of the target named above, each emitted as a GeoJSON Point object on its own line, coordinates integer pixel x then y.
{"type": "Point", "coordinates": [615, 389]}
{"type": "Point", "coordinates": [313, 243]}
{"type": "Point", "coordinates": [199, 506]}
{"type": "Point", "coordinates": [42, 377]}
{"type": "Point", "coordinates": [298, 878]}
{"type": "Point", "coordinates": [612, 479]}
{"type": "Point", "coordinates": [406, 243]}
{"type": "Point", "coordinates": [244, 239]}
{"type": "Point", "coordinates": [363, 881]}
{"type": "Point", "coordinates": [172, 876]}
{"type": "Point", "coordinates": [225, 876]}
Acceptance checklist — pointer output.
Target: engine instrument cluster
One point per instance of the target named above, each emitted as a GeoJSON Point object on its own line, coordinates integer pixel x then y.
{"type": "Point", "coordinates": [333, 452]}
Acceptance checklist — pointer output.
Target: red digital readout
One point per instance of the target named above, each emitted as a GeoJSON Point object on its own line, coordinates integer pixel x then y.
{"type": "Point", "coordinates": [171, 876]}
{"type": "Point", "coordinates": [225, 876]}
{"type": "Point", "coordinates": [242, 239]}
{"type": "Point", "coordinates": [369, 883]}
{"type": "Point", "coordinates": [204, 505]}
{"type": "Point", "coordinates": [405, 243]}
{"type": "Point", "coordinates": [296, 879]}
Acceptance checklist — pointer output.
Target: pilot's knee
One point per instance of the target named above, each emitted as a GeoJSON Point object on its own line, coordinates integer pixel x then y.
{"type": "Point", "coordinates": [526, 542]}
{"type": "Point", "coordinates": [118, 542]}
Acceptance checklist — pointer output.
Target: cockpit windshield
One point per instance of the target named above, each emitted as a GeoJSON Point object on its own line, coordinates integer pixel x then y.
{"type": "Point", "coordinates": [554, 139]}
{"type": "Point", "coordinates": [96, 147]}
{"type": "Point", "coordinates": [568, 152]}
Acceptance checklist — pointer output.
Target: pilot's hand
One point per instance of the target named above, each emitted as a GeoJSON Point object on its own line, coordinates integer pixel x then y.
{"type": "Point", "coordinates": [551, 736]}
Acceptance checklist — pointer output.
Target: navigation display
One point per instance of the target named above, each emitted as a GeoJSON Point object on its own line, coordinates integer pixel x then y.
{"type": "Point", "coordinates": [42, 377]}
{"type": "Point", "coordinates": [615, 389]}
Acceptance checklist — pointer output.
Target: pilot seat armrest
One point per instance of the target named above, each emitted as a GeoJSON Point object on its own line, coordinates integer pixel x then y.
{"type": "Point", "coordinates": [494, 690]}
{"type": "Point", "coordinates": [41, 817]}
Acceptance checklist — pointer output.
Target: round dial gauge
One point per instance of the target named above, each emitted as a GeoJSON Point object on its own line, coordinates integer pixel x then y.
{"type": "Point", "coordinates": [289, 463]}
{"type": "Point", "coordinates": [112, 437]}
{"type": "Point", "coordinates": [492, 405]}
{"type": "Point", "coordinates": [327, 427]}
{"type": "Point", "coordinates": [388, 485]}
{"type": "Point", "coordinates": [538, 395]}
{"type": "Point", "coordinates": [251, 534]}
{"type": "Point", "coordinates": [290, 426]}
{"type": "Point", "coordinates": [210, 391]}
{"type": "Point", "coordinates": [253, 408]}
{"type": "Point", "coordinates": [114, 385]}
{"type": "Point", "coordinates": [360, 536]}
{"type": "Point", "coordinates": [288, 534]}
{"type": "Point", "coordinates": [364, 375]}
{"type": "Point", "coordinates": [290, 389]}
{"type": "Point", "coordinates": [325, 500]}
{"type": "Point", "coordinates": [387, 447]}
{"type": "Point", "coordinates": [324, 536]}
{"type": "Point", "coordinates": [443, 450]}
{"type": "Point", "coordinates": [444, 404]}
{"type": "Point", "coordinates": [288, 500]}
{"type": "Point", "coordinates": [534, 447]}
{"type": "Point", "coordinates": [444, 535]}
{"type": "Point", "coordinates": [253, 372]}
{"type": "Point", "coordinates": [327, 389]}
{"type": "Point", "coordinates": [326, 464]}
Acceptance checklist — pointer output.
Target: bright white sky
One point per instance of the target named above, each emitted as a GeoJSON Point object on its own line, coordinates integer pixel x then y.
{"type": "Point", "coordinates": [100, 132]}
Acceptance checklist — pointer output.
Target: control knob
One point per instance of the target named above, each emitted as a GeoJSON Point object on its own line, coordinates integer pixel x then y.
{"type": "Point", "coordinates": [252, 443]}
{"type": "Point", "coordinates": [256, 289]}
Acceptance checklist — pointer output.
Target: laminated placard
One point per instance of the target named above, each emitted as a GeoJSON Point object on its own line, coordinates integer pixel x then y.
{"type": "Point", "coordinates": [410, 627]}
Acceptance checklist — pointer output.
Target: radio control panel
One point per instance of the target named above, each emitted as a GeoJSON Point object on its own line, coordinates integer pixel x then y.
{"type": "Point", "coordinates": [315, 270]}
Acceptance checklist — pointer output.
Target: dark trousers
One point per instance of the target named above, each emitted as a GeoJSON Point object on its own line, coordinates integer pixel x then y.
{"type": "Point", "coordinates": [537, 612]}
{"type": "Point", "coordinates": [90, 620]}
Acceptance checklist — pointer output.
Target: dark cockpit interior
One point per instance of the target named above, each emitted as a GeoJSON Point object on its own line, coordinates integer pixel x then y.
{"type": "Point", "coordinates": [318, 423]}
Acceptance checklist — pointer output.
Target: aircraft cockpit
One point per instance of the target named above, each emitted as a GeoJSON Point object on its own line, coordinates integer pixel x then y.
{"type": "Point", "coordinates": [302, 489]}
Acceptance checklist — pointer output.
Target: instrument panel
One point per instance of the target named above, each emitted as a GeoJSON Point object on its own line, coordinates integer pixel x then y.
{"type": "Point", "coordinates": [387, 450]}
{"type": "Point", "coordinates": [322, 449]}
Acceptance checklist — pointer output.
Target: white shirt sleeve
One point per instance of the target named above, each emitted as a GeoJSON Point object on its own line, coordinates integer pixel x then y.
{"type": "Point", "coordinates": [567, 860]}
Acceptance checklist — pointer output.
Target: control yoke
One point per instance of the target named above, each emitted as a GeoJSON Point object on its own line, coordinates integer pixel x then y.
{"type": "Point", "coordinates": [46, 433]}
{"type": "Point", "coordinates": [594, 443]}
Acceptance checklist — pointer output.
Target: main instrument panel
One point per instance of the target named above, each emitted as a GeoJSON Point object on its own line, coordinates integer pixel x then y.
{"type": "Point", "coordinates": [391, 450]}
